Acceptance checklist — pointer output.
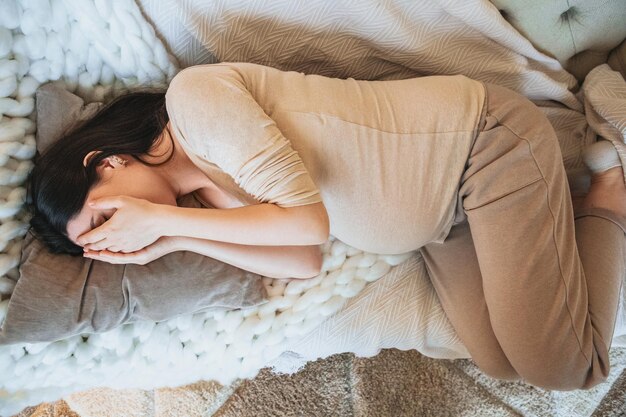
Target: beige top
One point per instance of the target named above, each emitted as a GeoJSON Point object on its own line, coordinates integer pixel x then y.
{"type": "Point", "coordinates": [385, 157]}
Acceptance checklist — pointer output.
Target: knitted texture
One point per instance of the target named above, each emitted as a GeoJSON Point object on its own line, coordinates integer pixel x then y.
{"type": "Point", "coordinates": [98, 49]}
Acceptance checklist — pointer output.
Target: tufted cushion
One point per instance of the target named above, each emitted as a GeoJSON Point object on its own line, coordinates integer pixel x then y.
{"type": "Point", "coordinates": [578, 33]}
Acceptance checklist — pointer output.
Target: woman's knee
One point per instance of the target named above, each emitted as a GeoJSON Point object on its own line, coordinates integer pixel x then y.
{"type": "Point", "coordinates": [545, 365]}
{"type": "Point", "coordinates": [559, 374]}
{"type": "Point", "coordinates": [563, 375]}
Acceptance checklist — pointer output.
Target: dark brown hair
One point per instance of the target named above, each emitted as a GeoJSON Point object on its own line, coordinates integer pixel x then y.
{"type": "Point", "coordinates": [58, 185]}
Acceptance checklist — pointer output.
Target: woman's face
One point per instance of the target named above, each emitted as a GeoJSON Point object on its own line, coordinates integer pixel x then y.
{"type": "Point", "coordinates": [133, 179]}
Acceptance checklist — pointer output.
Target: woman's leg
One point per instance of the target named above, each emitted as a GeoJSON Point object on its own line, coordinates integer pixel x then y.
{"type": "Point", "coordinates": [550, 283]}
{"type": "Point", "coordinates": [455, 274]}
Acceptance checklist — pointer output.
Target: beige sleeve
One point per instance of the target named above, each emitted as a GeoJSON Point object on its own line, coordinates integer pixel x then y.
{"type": "Point", "coordinates": [224, 124]}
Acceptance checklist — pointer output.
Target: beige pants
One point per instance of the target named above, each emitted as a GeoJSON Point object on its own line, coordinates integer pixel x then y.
{"type": "Point", "coordinates": [531, 287]}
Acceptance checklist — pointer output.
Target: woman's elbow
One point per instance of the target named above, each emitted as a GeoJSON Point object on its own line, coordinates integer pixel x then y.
{"type": "Point", "coordinates": [323, 235]}
{"type": "Point", "coordinates": [323, 225]}
{"type": "Point", "coordinates": [310, 222]}
{"type": "Point", "coordinates": [311, 264]}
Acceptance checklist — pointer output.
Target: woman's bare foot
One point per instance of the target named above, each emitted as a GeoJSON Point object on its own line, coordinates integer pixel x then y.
{"type": "Point", "coordinates": [607, 190]}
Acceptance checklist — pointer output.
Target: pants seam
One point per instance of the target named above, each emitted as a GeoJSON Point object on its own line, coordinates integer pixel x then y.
{"type": "Point", "coordinates": [612, 333]}
{"type": "Point", "coordinates": [507, 194]}
{"type": "Point", "coordinates": [553, 239]}
{"type": "Point", "coordinates": [484, 112]}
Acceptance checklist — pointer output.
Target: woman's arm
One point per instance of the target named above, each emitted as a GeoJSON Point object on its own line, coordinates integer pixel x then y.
{"type": "Point", "coordinates": [269, 261]}
{"type": "Point", "coordinates": [258, 224]}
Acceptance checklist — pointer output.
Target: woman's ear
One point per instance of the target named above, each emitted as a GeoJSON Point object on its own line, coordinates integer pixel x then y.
{"type": "Point", "coordinates": [88, 157]}
{"type": "Point", "coordinates": [108, 160]}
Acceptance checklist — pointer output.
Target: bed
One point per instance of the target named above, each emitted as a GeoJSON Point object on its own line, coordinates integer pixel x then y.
{"type": "Point", "coordinates": [570, 59]}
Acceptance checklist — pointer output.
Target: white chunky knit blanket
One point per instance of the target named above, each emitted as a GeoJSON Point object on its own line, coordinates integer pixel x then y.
{"type": "Point", "coordinates": [99, 47]}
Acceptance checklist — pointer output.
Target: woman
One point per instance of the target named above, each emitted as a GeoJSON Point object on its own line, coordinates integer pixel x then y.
{"type": "Point", "coordinates": [469, 173]}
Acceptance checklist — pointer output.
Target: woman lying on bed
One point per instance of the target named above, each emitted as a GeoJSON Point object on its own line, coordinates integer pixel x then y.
{"type": "Point", "coordinates": [468, 173]}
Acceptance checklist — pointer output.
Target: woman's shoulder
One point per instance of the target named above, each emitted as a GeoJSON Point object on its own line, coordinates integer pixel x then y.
{"type": "Point", "coordinates": [218, 68]}
{"type": "Point", "coordinates": [203, 82]}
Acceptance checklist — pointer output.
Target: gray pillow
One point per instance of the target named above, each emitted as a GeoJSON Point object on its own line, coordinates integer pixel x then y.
{"type": "Point", "coordinates": [59, 295]}
{"type": "Point", "coordinates": [57, 111]}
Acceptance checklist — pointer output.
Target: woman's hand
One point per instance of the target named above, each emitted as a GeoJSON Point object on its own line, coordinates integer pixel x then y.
{"type": "Point", "coordinates": [162, 246]}
{"type": "Point", "coordinates": [135, 224]}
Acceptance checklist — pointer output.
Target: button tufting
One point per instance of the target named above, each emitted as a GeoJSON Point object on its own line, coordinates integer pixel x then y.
{"type": "Point", "coordinates": [568, 14]}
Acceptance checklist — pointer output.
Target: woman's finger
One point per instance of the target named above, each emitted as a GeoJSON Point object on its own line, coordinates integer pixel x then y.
{"type": "Point", "coordinates": [107, 202]}
{"type": "Point", "coordinates": [90, 244]}
{"type": "Point", "coordinates": [111, 257]}
{"type": "Point", "coordinates": [110, 254]}
{"type": "Point", "coordinates": [94, 235]}
{"type": "Point", "coordinates": [101, 245]}
{"type": "Point", "coordinates": [96, 255]}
